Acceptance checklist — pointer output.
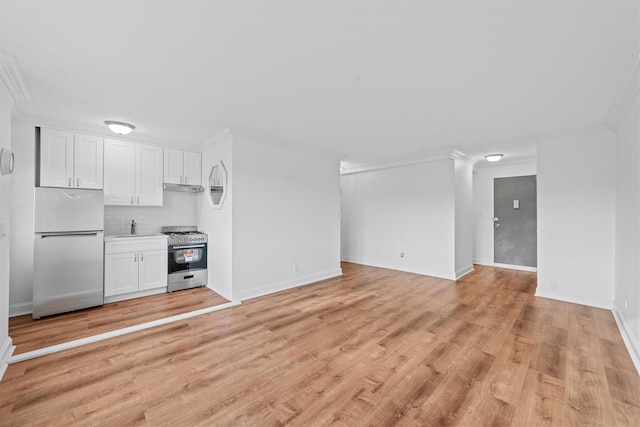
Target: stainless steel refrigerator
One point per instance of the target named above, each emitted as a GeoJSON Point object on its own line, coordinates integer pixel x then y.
{"type": "Point", "coordinates": [68, 250]}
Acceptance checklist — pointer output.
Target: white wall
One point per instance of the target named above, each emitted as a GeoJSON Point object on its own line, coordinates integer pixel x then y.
{"type": "Point", "coordinates": [286, 204]}
{"type": "Point", "coordinates": [576, 218]}
{"type": "Point", "coordinates": [22, 183]}
{"type": "Point", "coordinates": [627, 263]}
{"type": "Point", "coordinates": [409, 209]}
{"type": "Point", "coordinates": [6, 104]}
{"type": "Point", "coordinates": [464, 227]}
{"type": "Point", "coordinates": [217, 223]}
{"type": "Point", "coordinates": [483, 203]}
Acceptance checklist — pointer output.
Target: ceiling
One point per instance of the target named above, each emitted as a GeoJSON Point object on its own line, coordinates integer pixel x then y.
{"type": "Point", "coordinates": [371, 80]}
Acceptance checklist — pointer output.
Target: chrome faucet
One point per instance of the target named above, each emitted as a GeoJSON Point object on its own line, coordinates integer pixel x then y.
{"type": "Point", "coordinates": [133, 226]}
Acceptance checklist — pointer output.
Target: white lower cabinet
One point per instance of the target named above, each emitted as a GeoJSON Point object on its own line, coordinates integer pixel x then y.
{"type": "Point", "coordinates": [120, 273]}
{"type": "Point", "coordinates": [134, 264]}
{"type": "Point", "coordinates": [152, 270]}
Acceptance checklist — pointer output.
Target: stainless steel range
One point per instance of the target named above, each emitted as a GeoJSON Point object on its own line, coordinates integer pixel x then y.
{"type": "Point", "coordinates": [187, 258]}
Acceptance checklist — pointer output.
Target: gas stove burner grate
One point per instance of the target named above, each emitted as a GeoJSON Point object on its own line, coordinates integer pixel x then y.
{"type": "Point", "coordinates": [182, 233]}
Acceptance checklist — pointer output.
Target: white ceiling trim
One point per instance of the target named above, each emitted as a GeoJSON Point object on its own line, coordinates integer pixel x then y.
{"type": "Point", "coordinates": [346, 169]}
{"type": "Point", "coordinates": [12, 77]}
{"type": "Point", "coordinates": [221, 137]}
{"type": "Point", "coordinates": [459, 155]}
{"type": "Point", "coordinates": [627, 92]}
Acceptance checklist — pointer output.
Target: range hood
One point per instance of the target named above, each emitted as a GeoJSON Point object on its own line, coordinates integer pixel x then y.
{"type": "Point", "coordinates": [184, 188]}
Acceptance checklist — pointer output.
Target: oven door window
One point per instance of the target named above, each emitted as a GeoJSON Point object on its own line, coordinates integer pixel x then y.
{"type": "Point", "coordinates": [187, 258]}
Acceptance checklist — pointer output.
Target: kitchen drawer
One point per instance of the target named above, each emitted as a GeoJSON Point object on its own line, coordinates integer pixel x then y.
{"type": "Point", "coordinates": [135, 244]}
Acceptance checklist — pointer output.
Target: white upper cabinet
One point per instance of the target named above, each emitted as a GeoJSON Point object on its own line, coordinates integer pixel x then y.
{"type": "Point", "coordinates": [88, 161]}
{"type": "Point", "coordinates": [173, 166]}
{"type": "Point", "coordinates": [148, 175]}
{"type": "Point", "coordinates": [192, 168]}
{"type": "Point", "coordinates": [119, 172]}
{"type": "Point", "coordinates": [70, 160]}
{"type": "Point", "coordinates": [132, 174]}
{"type": "Point", "coordinates": [182, 167]}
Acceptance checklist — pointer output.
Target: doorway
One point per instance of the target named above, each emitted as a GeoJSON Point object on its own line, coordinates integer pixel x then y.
{"type": "Point", "coordinates": [515, 221]}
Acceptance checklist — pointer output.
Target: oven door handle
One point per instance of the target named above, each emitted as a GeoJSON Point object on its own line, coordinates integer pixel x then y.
{"type": "Point", "coordinates": [187, 247]}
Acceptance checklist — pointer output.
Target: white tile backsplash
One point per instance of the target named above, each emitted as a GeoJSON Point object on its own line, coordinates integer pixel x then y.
{"type": "Point", "coordinates": [178, 209]}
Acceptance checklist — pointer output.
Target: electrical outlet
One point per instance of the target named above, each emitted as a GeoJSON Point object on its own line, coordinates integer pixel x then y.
{"type": "Point", "coordinates": [554, 285]}
{"type": "Point", "coordinates": [401, 254]}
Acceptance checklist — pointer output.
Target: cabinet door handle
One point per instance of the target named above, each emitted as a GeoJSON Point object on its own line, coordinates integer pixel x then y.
{"type": "Point", "coordinates": [135, 257]}
{"type": "Point", "coordinates": [70, 182]}
{"type": "Point", "coordinates": [77, 182]}
{"type": "Point", "coordinates": [131, 199]}
{"type": "Point", "coordinates": [141, 256]}
{"type": "Point", "coordinates": [185, 179]}
{"type": "Point", "coordinates": [138, 199]}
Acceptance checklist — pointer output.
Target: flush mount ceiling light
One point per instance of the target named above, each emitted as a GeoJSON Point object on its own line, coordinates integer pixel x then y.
{"type": "Point", "coordinates": [120, 128]}
{"type": "Point", "coordinates": [493, 157]}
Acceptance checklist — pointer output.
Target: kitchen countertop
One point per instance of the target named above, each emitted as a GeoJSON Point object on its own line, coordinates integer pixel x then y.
{"type": "Point", "coordinates": [134, 236]}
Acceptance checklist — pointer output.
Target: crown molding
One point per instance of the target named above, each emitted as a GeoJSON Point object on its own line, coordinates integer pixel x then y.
{"type": "Point", "coordinates": [218, 139]}
{"type": "Point", "coordinates": [12, 77]}
{"type": "Point", "coordinates": [459, 155]}
{"type": "Point", "coordinates": [627, 92]}
{"type": "Point", "coordinates": [348, 169]}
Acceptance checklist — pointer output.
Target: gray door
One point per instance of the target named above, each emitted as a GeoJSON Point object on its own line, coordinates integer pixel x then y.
{"type": "Point", "coordinates": [515, 221]}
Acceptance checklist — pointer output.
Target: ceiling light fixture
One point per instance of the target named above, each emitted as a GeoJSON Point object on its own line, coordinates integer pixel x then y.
{"type": "Point", "coordinates": [493, 157]}
{"type": "Point", "coordinates": [120, 128]}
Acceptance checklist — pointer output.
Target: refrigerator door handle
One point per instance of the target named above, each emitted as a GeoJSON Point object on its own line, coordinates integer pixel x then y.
{"type": "Point", "coordinates": [79, 233]}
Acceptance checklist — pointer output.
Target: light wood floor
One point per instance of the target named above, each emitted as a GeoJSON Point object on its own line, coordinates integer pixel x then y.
{"type": "Point", "coordinates": [28, 334]}
{"type": "Point", "coordinates": [374, 347]}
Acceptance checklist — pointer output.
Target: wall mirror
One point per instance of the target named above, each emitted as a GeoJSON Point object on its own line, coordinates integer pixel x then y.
{"type": "Point", "coordinates": [217, 187]}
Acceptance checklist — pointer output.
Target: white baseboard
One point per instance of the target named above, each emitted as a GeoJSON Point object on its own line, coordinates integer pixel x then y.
{"type": "Point", "coordinates": [509, 266]}
{"type": "Point", "coordinates": [20, 309]}
{"type": "Point", "coordinates": [400, 268]}
{"type": "Point", "coordinates": [6, 350]}
{"type": "Point", "coordinates": [607, 305]}
{"type": "Point", "coordinates": [632, 344]}
{"type": "Point", "coordinates": [112, 334]}
{"type": "Point", "coordinates": [461, 272]}
{"type": "Point", "coordinates": [289, 284]}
